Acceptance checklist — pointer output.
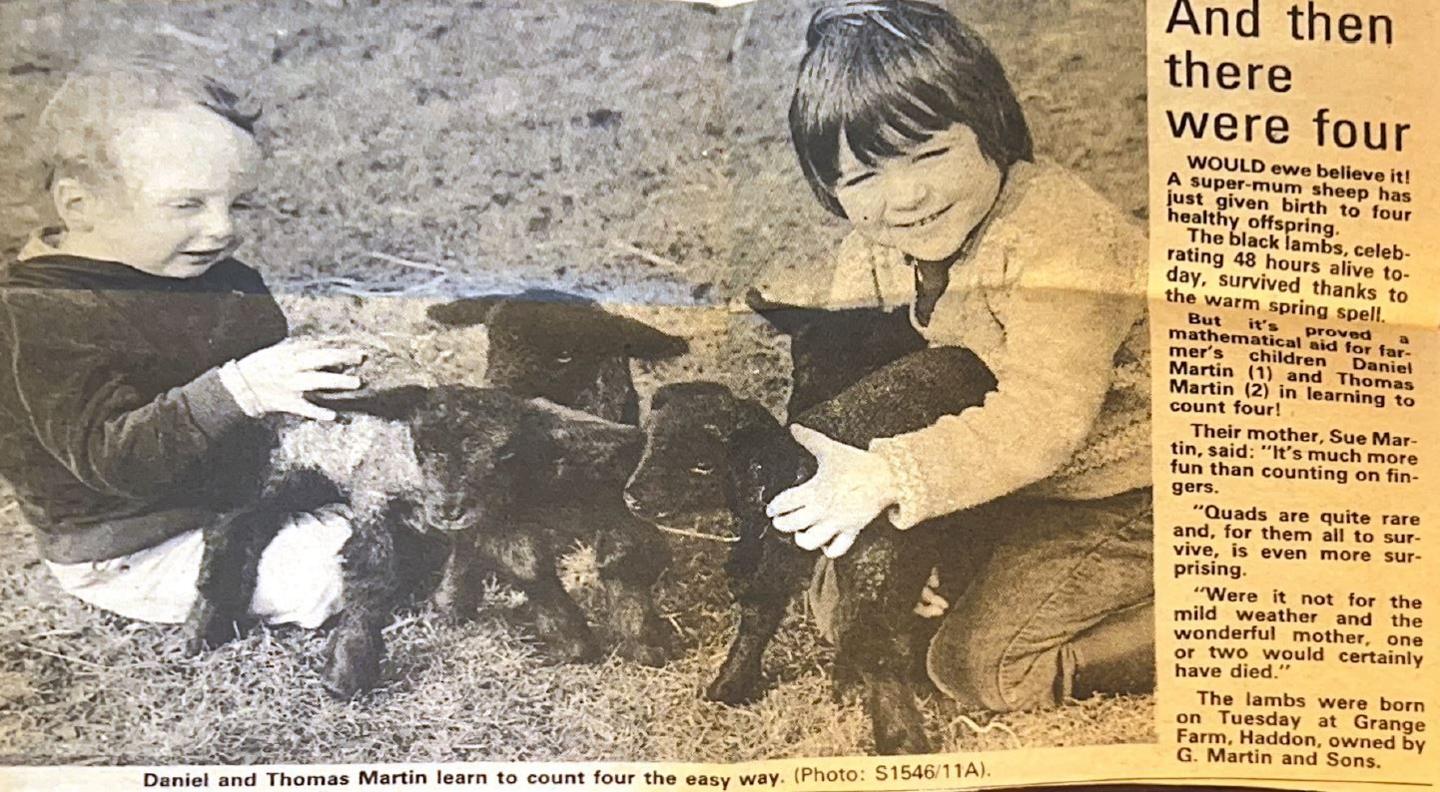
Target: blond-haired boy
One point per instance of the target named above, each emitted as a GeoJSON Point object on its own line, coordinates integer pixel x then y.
{"type": "Point", "coordinates": [138, 357]}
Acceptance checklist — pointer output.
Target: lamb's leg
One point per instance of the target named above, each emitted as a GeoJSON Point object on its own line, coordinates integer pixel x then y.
{"type": "Point", "coordinates": [961, 549]}
{"type": "Point", "coordinates": [372, 585]}
{"type": "Point", "coordinates": [524, 558]}
{"type": "Point", "coordinates": [222, 590]}
{"type": "Point", "coordinates": [880, 580]}
{"type": "Point", "coordinates": [631, 556]}
{"type": "Point", "coordinates": [765, 571]}
{"type": "Point", "coordinates": [884, 573]}
{"type": "Point", "coordinates": [458, 594]}
{"type": "Point", "coordinates": [231, 559]}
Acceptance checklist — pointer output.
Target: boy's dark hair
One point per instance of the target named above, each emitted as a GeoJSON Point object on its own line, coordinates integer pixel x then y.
{"type": "Point", "coordinates": [79, 121]}
{"type": "Point", "coordinates": [889, 74]}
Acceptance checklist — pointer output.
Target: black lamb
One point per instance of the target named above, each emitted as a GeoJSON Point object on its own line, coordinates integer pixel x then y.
{"type": "Point", "coordinates": [506, 481]}
{"type": "Point", "coordinates": [707, 449]}
{"type": "Point", "coordinates": [567, 349]}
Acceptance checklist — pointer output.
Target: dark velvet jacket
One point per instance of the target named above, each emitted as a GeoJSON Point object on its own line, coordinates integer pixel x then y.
{"type": "Point", "coordinates": [115, 431]}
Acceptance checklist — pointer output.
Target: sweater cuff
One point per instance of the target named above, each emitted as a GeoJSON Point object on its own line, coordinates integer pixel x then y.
{"type": "Point", "coordinates": [211, 404]}
{"type": "Point", "coordinates": [240, 390]}
{"type": "Point", "coordinates": [909, 489]}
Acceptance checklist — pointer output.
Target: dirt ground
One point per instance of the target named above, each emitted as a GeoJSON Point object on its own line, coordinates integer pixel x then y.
{"type": "Point", "coordinates": [632, 151]}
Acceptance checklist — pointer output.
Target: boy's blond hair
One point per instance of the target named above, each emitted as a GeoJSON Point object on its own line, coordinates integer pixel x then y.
{"type": "Point", "coordinates": [80, 120]}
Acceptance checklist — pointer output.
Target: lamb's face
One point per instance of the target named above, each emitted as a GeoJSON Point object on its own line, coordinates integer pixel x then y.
{"type": "Point", "coordinates": [681, 481]}
{"type": "Point", "coordinates": [466, 441]}
{"type": "Point", "coordinates": [550, 359]}
{"type": "Point", "coordinates": [561, 347]}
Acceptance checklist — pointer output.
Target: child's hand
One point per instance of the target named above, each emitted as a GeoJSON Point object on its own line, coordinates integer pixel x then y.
{"type": "Point", "coordinates": [850, 487]}
{"type": "Point", "coordinates": [277, 378]}
{"type": "Point", "coordinates": [931, 604]}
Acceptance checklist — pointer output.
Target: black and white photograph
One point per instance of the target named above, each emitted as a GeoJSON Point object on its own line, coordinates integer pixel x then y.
{"type": "Point", "coordinates": [560, 380]}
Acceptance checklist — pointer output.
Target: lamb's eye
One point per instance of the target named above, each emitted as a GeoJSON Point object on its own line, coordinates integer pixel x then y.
{"type": "Point", "coordinates": [564, 357]}
{"type": "Point", "coordinates": [702, 469]}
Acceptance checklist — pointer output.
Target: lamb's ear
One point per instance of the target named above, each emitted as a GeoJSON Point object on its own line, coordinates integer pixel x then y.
{"type": "Point", "coordinates": [640, 340]}
{"type": "Point", "coordinates": [785, 317]}
{"type": "Point", "coordinates": [394, 404]}
{"type": "Point", "coordinates": [752, 419]}
{"type": "Point", "coordinates": [698, 389]}
{"type": "Point", "coordinates": [466, 311]}
{"type": "Point", "coordinates": [761, 304]}
{"type": "Point", "coordinates": [658, 399]}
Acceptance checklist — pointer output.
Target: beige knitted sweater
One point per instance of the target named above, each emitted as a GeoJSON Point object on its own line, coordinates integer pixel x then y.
{"type": "Point", "coordinates": [1052, 298]}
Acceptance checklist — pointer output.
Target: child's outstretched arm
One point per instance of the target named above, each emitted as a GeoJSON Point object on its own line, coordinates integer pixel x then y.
{"type": "Point", "coordinates": [1054, 371]}
{"type": "Point", "coordinates": [1046, 402]}
{"type": "Point", "coordinates": [85, 405]}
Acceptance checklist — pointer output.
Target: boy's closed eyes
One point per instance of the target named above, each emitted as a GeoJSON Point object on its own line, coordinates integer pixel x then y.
{"type": "Point", "coordinates": [168, 207]}
{"type": "Point", "coordinates": [925, 202]}
{"type": "Point", "coordinates": [191, 203]}
{"type": "Point", "coordinates": [919, 156]}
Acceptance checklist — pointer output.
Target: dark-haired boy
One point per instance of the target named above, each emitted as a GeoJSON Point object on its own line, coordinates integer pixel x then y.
{"type": "Point", "coordinates": [905, 124]}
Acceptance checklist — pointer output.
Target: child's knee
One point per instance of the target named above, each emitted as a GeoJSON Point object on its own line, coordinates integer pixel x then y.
{"type": "Point", "coordinates": [977, 670]}
{"type": "Point", "coordinates": [299, 579]}
{"type": "Point", "coordinates": [963, 668]}
{"type": "Point", "coordinates": [156, 584]}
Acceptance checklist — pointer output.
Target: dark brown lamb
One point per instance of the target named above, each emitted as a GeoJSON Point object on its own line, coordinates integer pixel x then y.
{"type": "Point", "coordinates": [708, 450]}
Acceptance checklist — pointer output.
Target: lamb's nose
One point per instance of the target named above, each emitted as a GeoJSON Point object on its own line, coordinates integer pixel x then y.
{"type": "Point", "coordinates": [635, 505]}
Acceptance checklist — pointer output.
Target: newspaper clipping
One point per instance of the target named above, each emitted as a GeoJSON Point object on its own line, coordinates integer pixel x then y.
{"type": "Point", "coordinates": [666, 395]}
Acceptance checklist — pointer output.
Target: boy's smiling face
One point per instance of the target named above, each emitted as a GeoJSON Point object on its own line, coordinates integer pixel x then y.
{"type": "Point", "coordinates": [924, 202]}
{"type": "Point", "coordinates": [167, 205]}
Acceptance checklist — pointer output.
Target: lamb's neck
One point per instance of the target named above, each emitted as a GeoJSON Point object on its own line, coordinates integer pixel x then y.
{"type": "Point", "coordinates": [764, 460]}
{"type": "Point", "coordinates": [591, 448]}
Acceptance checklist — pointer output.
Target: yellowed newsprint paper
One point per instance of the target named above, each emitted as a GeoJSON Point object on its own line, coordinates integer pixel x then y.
{"type": "Point", "coordinates": [795, 394]}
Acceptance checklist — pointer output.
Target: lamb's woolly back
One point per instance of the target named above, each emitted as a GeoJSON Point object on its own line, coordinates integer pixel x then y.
{"type": "Point", "coordinates": [371, 458]}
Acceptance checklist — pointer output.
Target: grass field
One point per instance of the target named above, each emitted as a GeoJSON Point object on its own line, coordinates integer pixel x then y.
{"type": "Point", "coordinates": [634, 151]}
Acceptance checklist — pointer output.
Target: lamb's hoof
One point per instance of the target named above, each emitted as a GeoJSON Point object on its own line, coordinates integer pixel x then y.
{"type": "Point", "coordinates": [734, 689]}
{"type": "Point", "coordinates": [453, 611]}
{"type": "Point", "coordinates": [898, 725]}
{"type": "Point", "coordinates": [908, 741]}
{"type": "Point", "coordinates": [207, 628]}
{"type": "Point", "coordinates": [646, 654]}
{"type": "Point", "coordinates": [845, 681]}
{"type": "Point", "coordinates": [562, 650]}
{"type": "Point", "coordinates": [653, 646]}
{"type": "Point", "coordinates": [353, 663]}
{"type": "Point", "coordinates": [564, 635]}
